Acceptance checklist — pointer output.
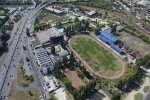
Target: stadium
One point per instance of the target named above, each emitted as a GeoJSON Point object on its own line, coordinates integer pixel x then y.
{"type": "Point", "coordinates": [97, 58]}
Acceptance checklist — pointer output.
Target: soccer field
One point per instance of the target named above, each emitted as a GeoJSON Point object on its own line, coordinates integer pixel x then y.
{"type": "Point", "coordinates": [96, 56]}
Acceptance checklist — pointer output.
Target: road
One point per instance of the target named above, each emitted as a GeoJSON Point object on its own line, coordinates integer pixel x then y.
{"type": "Point", "coordinates": [12, 58]}
{"type": "Point", "coordinates": [147, 97]}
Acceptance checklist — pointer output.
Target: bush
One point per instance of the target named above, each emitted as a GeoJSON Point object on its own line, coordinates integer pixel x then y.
{"type": "Point", "coordinates": [80, 74]}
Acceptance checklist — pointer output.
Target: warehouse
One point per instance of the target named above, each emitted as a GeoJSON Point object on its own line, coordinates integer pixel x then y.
{"type": "Point", "coordinates": [44, 60]}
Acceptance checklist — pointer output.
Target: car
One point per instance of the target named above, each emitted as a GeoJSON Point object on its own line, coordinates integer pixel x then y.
{"type": "Point", "coordinates": [2, 97]}
{"type": "Point", "coordinates": [10, 75]}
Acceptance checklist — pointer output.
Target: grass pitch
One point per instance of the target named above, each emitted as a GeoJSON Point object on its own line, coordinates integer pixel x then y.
{"type": "Point", "coordinates": [95, 55]}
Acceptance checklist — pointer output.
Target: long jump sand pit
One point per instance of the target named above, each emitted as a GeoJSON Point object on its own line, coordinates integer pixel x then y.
{"type": "Point", "coordinates": [95, 58]}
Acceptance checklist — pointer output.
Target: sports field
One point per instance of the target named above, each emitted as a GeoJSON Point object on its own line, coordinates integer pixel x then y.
{"type": "Point", "coordinates": [98, 58]}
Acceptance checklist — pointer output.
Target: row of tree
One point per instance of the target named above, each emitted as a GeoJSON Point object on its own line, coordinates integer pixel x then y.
{"type": "Point", "coordinates": [77, 26]}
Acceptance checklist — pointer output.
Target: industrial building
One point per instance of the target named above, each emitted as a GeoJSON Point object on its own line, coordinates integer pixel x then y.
{"type": "Point", "coordinates": [44, 60]}
{"type": "Point", "coordinates": [56, 11]}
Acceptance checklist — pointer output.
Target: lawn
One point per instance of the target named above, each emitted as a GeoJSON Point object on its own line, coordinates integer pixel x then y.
{"type": "Point", "coordinates": [146, 88]}
{"type": "Point", "coordinates": [23, 95]}
{"type": "Point", "coordinates": [22, 79]}
{"type": "Point", "coordinates": [48, 17]}
{"type": "Point", "coordinates": [95, 55]}
{"type": "Point", "coordinates": [138, 96]}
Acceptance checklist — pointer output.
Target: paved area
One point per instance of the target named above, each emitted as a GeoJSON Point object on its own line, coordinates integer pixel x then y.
{"type": "Point", "coordinates": [100, 95]}
{"type": "Point", "coordinates": [130, 96]}
{"type": "Point", "coordinates": [60, 94]}
{"type": "Point", "coordinates": [10, 63]}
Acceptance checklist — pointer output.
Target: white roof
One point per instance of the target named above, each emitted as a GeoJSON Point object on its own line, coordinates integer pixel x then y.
{"type": "Point", "coordinates": [91, 13]}
{"type": "Point", "coordinates": [42, 57]}
{"type": "Point", "coordinates": [54, 10]}
{"type": "Point", "coordinates": [51, 83]}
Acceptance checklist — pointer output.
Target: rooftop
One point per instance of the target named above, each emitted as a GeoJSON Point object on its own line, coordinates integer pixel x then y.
{"type": "Point", "coordinates": [108, 36]}
{"type": "Point", "coordinates": [91, 13]}
{"type": "Point", "coordinates": [54, 10]}
{"type": "Point", "coordinates": [51, 83]}
{"type": "Point", "coordinates": [42, 57]}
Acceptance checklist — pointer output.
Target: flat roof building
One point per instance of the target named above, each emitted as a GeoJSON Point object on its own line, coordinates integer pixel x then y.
{"type": "Point", "coordinates": [91, 13]}
{"type": "Point", "coordinates": [56, 11]}
{"type": "Point", "coordinates": [110, 39]}
{"type": "Point", "coordinates": [43, 58]}
{"type": "Point", "coordinates": [108, 36]}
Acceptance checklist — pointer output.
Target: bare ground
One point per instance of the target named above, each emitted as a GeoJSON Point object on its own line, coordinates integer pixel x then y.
{"type": "Point", "coordinates": [74, 78]}
{"type": "Point", "coordinates": [135, 43]}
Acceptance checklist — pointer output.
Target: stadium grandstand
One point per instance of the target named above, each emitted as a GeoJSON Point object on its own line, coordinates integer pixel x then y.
{"type": "Point", "coordinates": [110, 39]}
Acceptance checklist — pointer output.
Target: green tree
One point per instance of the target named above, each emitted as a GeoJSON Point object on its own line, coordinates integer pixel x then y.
{"type": "Point", "coordinates": [113, 29]}
{"type": "Point", "coordinates": [58, 24]}
{"type": "Point", "coordinates": [72, 58]}
{"type": "Point", "coordinates": [116, 96]}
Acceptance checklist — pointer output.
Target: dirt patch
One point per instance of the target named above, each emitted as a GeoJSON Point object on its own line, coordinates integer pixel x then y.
{"type": "Point", "coordinates": [74, 78]}
{"type": "Point", "coordinates": [135, 43]}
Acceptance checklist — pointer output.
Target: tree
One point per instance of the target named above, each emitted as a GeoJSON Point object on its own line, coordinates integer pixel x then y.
{"type": "Point", "coordinates": [27, 59]}
{"type": "Point", "coordinates": [63, 44]}
{"type": "Point", "coordinates": [27, 32]}
{"type": "Point", "coordinates": [53, 49]}
{"type": "Point", "coordinates": [87, 25]}
{"type": "Point", "coordinates": [72, 58]}
{"type": "Point", "coordinates": [116, 96]}
{"type": "Point", "coordinates": [5, 37]}
{"type": "Point", "coordinates": [58, 24]}
{"type": "Point", "coordinates": [76, 20]}
{"type": "Point", "coordinates": [76, 94]}
{"type": "Point", "coordinates": [113, 29]}
{"type": "Point", "coordinates": [52, 97]}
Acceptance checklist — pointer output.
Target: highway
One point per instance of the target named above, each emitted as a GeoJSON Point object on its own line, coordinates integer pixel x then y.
{"type": "Point", "coordinates": [10, 63]}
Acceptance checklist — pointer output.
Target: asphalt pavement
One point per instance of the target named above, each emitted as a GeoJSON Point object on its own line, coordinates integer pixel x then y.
{"type": "Point", "coordinates": [10, 63]}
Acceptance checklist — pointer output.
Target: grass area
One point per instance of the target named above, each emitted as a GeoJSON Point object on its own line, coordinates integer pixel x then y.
{"type": "Point", "coordinates": [22, 79]}
{"type": "Point", "coordinates": [138, 96]}
{"type": "Point", "coordinates": [95, 55]}
{"type": "Point", "coordinates": [48, 17]}
{"type": "Point", "coordinates": [24, 95]}
{"type": "Point", "coordinates": [98, 4]}
{"type": "Point", "coordinates": [146, 88]}
{"type": "Point", "coordinates": [2, 13]}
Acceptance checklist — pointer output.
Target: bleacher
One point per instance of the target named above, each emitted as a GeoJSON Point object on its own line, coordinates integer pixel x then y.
{"type": "Point", "coordinates": [110, 39]}
{"type": "Point", "coordinates": [108, 36]}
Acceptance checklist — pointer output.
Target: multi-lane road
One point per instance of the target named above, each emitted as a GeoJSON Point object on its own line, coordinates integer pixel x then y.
{"type": "Point", "coordinates": [10, 62]}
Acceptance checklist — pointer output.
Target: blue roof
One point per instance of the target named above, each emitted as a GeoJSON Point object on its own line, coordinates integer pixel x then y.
{"type": "Point", "coordinates": [61, 30]}
{"type": "Point", "coordinates": [117, 48]}
{"type": "Point", "coordinates": [103, 38]}
{"type": "Point", "coordinates": [108, 36]}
